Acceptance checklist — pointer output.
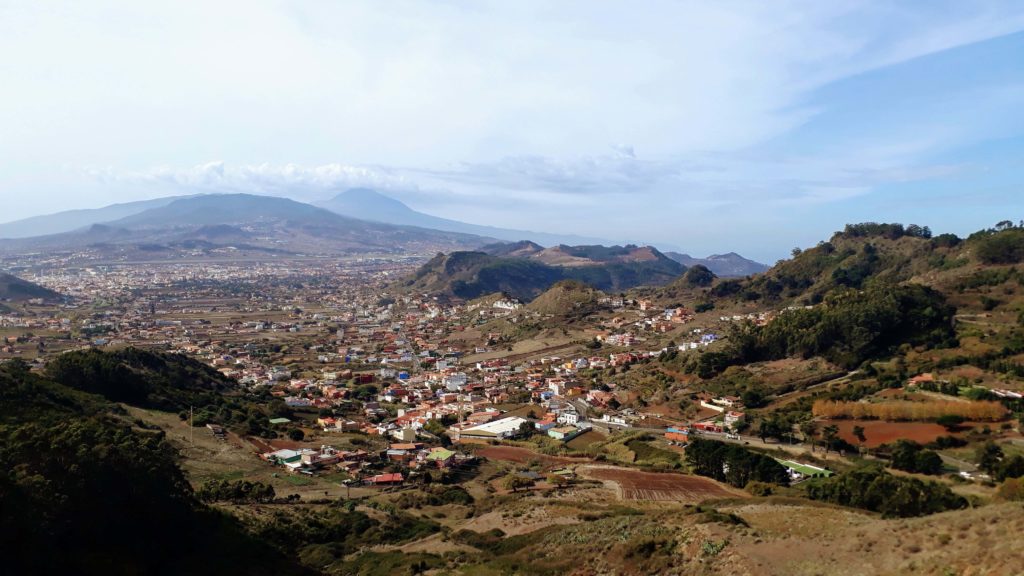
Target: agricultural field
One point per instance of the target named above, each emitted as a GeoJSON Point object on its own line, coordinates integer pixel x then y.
{"type": "Point", "coordinates": [632, 484]}
{"type": "Point", "coordinates": [878, 432]}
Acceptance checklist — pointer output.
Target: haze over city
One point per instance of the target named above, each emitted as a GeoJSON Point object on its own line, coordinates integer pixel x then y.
{"type": "Point", "coordinates": [702, 127]}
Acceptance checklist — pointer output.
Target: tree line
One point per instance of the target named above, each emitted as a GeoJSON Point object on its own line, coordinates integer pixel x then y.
{"type": "Point", "coordinates": [733, 464]}
{"type": "Point", "coordinates": [872, 488]}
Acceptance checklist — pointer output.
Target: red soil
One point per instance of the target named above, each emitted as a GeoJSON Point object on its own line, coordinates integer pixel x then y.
{"type": "Point", "coordinates": [878, 432]}
{"type": "Point", "coordinates": [639, 485]}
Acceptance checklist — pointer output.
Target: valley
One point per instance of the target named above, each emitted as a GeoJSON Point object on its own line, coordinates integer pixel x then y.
{"type": "Point", "coordinates": [487, 430]}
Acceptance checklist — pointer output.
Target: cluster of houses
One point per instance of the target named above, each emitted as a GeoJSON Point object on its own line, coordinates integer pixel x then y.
{"type": "Point", "coordinates": [390, 466]}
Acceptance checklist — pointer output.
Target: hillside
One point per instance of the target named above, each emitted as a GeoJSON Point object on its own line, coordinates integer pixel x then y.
{"type": "Point", "coordinates": [242, 224]}
{"type": "Point", "coordinates": [18, 290]}
{"type": "Point", "coordinates": [86, 481]}
{"type": "Point", "coordinates": [866, 254]}
{"type": "Point", "coordinates": [568, 297]}
{"type": "Point", "coordinates": [471, 274]}
{"type": "Point", "coordinates": [521, 249]}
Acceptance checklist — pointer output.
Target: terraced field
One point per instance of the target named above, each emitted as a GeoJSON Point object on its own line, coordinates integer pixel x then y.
{"type": "Point", "coordinates": [639, 485]}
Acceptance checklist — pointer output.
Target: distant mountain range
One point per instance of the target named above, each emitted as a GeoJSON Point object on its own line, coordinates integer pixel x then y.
{"type": "Point", "coordinates": [74, 219]}
{"type": "Point", "coordinates": [242, 223]}
{"type": "Point", "coordinates": [729, 265]}
{"type": "Point", "coordinates": [371, 205]}
{"type": "Point", "coordinates": [525, 270]}
{"type": "Point", "coordinates": [357, 220]}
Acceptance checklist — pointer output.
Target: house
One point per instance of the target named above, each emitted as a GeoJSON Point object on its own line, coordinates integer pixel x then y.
{"type": "Point", "coordinates": [608, 419]}
{"type": "Point", "coordinates": [712, 427]}
{"type": "Point", "coordinates": [568, 418]}
{"type": "Point", "coordinates": [397, 455]}
{"type": "Point", "coordinates": [732, 418]}
{"type": "Point", "coordinates": [798, 471]}
{"type": "Point", "coordinates": [677, 434]}
{"type": "Point", "coordinates": [386, 479]}
{"type": "Point", "coordinates": [497, 430]}
{"type": "Point", "coordinates": [405, 434]}
{"type": "Point", "coordinates": [440, 457]}
{"type": "Point", "coordinates": [564, 433]}
{"type": "Point", "coordinates": [544, 425]}
{"type": "Point", "coordinates": [921, 378]}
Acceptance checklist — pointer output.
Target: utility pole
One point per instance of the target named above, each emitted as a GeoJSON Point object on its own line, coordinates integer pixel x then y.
{"type": "Point", "coordinates": [191, 429]}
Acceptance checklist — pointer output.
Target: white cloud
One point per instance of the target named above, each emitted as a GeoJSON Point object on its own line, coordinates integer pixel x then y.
{"type": "Point", "coordinates": [498, 107]}
{"type": "Point", "coordinates": [309, 182]}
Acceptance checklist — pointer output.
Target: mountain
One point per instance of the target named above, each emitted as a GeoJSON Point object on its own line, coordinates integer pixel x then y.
{"type": "Point", "coordinates": [240, 224]}
{"type": "Point", "coordinates": [69, 220]}
{"type": "Point", "coordinates": [568, 297]}
{"type": "Point", "coordinates": [17, 289]}
{"type": "Point", "coordinates": [523, 248]}
{"type": "Point", "coordinates": [723, 265]}
{"type": "Point", "coordinates": [609, 268]}
{"type": "Point", "coordinates": [371, 205]}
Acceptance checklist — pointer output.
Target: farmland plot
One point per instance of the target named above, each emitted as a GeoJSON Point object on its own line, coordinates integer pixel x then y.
{"type": "Point", "coordinates": [639, 485]}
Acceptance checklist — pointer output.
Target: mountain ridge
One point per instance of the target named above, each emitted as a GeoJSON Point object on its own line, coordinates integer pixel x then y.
{"type": "Point", "coordinates": [728, 265]}
{"type": "Point", "coordinates": [371, 205]}
{"type": "Point", "coordinates": [470, 274]}
{"type": "Point", "coordinates": [254, 222]}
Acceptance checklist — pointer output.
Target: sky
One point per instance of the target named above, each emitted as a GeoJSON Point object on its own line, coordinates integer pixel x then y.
{"type": "Point", "coordinates": [705, 127]}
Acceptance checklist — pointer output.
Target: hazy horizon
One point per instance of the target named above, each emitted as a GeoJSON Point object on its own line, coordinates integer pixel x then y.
{"type": "Point", "coordinates": [711, 128]}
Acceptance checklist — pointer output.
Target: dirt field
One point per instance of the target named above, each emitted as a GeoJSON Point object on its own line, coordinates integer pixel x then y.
{"type": "Point", "coordinates": [523, 455]}
{"type": "Point", "coordinates": [879, 432]}
{"type": "Point", "coordinates": [584, 440]}
{"type": "Point", "coordinates": [639, 485]}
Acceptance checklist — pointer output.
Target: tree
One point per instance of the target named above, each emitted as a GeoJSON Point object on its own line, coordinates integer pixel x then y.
{"type": "Point", "coordinates": [872, 488]}
{"type": "Point", "coordinates": [951, 422]}
{"type": "Point", "coordinates": [1012, 467]}
{"type": "Point", "coordinates": [733, 464]}
{"type": "Point", "coordinates": [557, 480]}
{"type": "Point", "coordinates": [928, 462]}
{"type": "Point", "coordinates": [904, 455]}
{"type": "Point", "coordinates": [858, 432]}
{"type": "Point", "coordinates": [809, 429]}
{"type": "Point", "coordinates": [752, 398]}
{"type": "Point", "coordinates": [699, 275]}
{"type": "Point", "coordinates": [296, 434]}
{"type": "Point", "coordinates": [514, 482]}
{"type": "Point", "coordinates": [989, 456]}
{"type": "Point", "coordinates": [830, 433]}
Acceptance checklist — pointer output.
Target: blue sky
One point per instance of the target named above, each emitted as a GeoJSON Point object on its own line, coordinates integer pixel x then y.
{"type": "Point", "coordinates": [708, 127]}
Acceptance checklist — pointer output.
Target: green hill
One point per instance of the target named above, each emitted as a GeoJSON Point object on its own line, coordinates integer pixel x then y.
{"type": "Point", "coordinates": [468, 275]}
{"type": "Point", "coordinates": [86, 491]}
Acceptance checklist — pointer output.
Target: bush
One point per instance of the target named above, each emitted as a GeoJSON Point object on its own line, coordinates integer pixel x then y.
{"type": "Point", "coordinates": [1004, 247]}
{"type": "Point", "coordinates": [759, 488]}
{"type": "Point", "coordinates": [238, 491]}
